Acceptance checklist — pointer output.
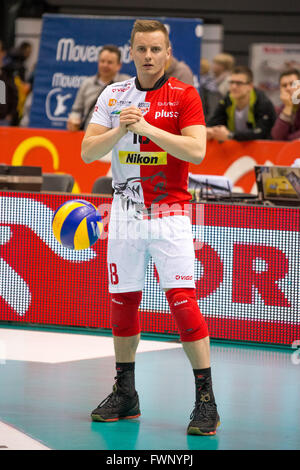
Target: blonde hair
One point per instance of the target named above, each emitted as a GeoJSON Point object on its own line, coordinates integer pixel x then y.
{"type": "Point", "coordinates": [149, 26]}
{"type": "Point", "coordinates": [204, 66]}
{"type": "Point", "coordinates": [226, 60]}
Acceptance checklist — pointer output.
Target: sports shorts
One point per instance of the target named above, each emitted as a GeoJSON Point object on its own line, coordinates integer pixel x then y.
{"type": "Point", "coordinates": [131, 244]}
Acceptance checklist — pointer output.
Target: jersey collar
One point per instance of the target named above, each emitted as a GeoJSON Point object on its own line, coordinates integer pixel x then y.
{"type": "Point", "coordinates": [160, 82]}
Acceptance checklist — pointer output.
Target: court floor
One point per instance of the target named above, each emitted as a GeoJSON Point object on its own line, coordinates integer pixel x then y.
{"type": "Point", "coordinates": [50, 382]}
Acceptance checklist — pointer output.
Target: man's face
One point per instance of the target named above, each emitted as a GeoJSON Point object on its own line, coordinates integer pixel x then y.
{"type": "Point", "coordinates": [286, 84]}
{"type": "Point", "coordinates": [150, 53]}
{"type": "Point", "coordinates": [27, 52]}
{"type": "Point", "coordinates": [108, 65]}
{"type": "Point", "coordinates": [239, 86]}
{"type": "Point", "coordinates": [217, 69]}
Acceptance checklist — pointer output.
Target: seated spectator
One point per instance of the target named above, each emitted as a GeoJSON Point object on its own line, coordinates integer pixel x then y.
{"type": "Point", "coordinates": [245, 113]}
{"type": "Point", "coordinates": [8, 94]}
{"type": "Point", "coordinates": [179, 70]}
{"type": "Point", "coordinates": [109, 65]}
{"type": "Point", "coordinates": [287, 125]}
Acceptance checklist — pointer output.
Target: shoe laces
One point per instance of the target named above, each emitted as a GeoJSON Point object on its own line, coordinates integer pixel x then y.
{"type": "Point", "coordinates": [114, 397]}
{"type": "Point", "coordinates": [204, 408]}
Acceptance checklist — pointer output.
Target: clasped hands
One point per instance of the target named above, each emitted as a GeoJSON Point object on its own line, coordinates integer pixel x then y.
{"type": "Point", "coordinates": [131, 119]}
{"type": "Point", "coordinates": [219, 133]}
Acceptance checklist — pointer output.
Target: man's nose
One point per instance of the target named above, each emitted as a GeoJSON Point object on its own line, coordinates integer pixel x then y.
{"type": "Point", "coordinates": [148, 54]}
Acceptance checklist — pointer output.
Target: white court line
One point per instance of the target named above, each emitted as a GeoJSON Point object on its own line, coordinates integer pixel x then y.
{"type": "Point", "coordinates": [53, 348]}
{"type": "Point", "coordinates": [12, 439]}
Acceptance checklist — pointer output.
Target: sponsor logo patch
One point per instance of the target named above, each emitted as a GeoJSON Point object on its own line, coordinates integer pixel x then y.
{"type": "Point", "coordinates": [142, 158]}
{"type": "Point", "coordinates": [144, 107]}
{"type": "Point", "coordinates": [180, 303]}
{"type": "Point", "coordinates": [168, 103]}
{"type": "Point", "coordinates": [183, 278]}
{"type": "Point", "coordinates": [122, 89]}
{"type": "Point", "coordinates": [166, 114]}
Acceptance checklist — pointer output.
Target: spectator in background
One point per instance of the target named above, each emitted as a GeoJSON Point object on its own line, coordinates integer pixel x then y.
{"type": "Point", "coordinates": [245, 113]}
{"type": "Point", "coordinates": [209, 92]}
{"type": "Point", "coordinates": [179, 70]}
{"type": "Point", "coordinates": [16, 59]}
{"type": "Point", "coordinates": [15, 65]}
{"type": "Point", "coordinates": [287, 125]}
{"type": "Point", "coordinates": [25, 118]}
{"type": "Point", "coordinates": [109, 65]}
{"type": "Point", "coordinates": [221, 68]}
{"type": "Point", "coordinates": [8, 94]}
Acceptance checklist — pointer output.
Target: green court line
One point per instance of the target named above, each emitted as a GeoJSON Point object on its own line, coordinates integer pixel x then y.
{"type": "Point", "coordinates": [144, 335]}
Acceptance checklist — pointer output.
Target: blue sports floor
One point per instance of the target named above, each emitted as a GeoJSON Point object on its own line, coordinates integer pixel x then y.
{"type": "Point", "coordinates": [50, 382]}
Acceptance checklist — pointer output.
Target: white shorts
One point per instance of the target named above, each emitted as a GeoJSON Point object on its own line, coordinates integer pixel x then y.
{"type": "Point", "coordinates": [131, 243]}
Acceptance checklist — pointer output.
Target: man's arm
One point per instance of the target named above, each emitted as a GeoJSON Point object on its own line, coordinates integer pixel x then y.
{"type": "Point", "coordinates": [295, 135]}
{"type": "Point", "coordinates": [75, 116]}
{"type": "Point", "coordinates": [190, 146]}
{"type": "Point", "coordinates": [282, 127]}
{"type": "Point", "coordinates": [99, 140]}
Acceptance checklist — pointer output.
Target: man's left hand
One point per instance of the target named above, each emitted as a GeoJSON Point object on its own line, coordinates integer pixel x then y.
{"type": "Point", "coordinates": [221, 133]}
{"type": "Point", "coordinates": [140, 127]}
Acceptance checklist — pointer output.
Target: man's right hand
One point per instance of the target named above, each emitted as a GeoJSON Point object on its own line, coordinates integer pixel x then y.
{"type": "Point", "coordinates": [129, 116]}
{"type": "Point", "coordinates": [210, 133]}
{"type": "Point", "coordinates": [73, 126]}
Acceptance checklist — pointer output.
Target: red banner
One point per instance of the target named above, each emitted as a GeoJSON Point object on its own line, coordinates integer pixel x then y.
{"type": "Point", "coordinates": [59, 151]}
{"type": "Point", "coordinates": [246, 271]}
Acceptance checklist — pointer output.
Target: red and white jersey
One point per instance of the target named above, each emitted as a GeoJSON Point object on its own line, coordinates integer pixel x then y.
{"type": "Point", "coordinates": [143, 174]}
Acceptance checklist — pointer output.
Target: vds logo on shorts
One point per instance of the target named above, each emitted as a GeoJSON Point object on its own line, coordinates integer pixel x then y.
{"type": "Point", "coordinates": [183, 278]}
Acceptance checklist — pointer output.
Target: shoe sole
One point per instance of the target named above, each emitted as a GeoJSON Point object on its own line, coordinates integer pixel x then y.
{"type": "Point", "coordinates": [102, 420]}
{"type": "Point", "coordinates": [198, 432]}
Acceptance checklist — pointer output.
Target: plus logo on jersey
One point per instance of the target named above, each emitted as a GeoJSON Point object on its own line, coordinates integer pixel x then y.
{"type": "Point", "coordinates": [166, 114]}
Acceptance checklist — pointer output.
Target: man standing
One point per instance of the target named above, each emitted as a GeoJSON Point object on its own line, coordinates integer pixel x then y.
{"type": "Point", "coordinates": [287, 125]}
{"type": "Point", "coordinates": [109, 65]}
{"type": "Point", "coordinates": [245, 113]}
{"type": "Point", "coordinates": [155, 126]}
{"type": "Point", "coordinates": [179, 69]}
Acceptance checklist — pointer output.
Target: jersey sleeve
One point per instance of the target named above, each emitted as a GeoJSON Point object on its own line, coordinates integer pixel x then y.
{"type": "Point", "coordinates": [101, 113]}
{"type": "Point", "coordinates": [191, 110]}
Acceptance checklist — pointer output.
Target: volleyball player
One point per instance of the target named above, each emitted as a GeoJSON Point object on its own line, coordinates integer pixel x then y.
{"type": "Point", "coordinates": [155, 127]}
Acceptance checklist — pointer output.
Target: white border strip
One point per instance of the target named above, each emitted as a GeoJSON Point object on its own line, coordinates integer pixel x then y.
{"type": "Point", "coordinates": [12, 439]}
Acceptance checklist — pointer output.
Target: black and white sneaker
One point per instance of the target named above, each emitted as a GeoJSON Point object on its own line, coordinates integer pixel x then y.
{"type": "Point", "coordinates": [204, 418]}
{"type": "Point", "coordinates": [118, 405]}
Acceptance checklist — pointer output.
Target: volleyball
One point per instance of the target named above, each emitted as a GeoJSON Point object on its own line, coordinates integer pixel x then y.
{"type": "Point", "coordinates": [77, 224]}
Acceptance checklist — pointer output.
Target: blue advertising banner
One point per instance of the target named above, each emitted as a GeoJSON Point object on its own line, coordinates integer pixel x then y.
{"type": "Point", "coordinates": [69, 51]}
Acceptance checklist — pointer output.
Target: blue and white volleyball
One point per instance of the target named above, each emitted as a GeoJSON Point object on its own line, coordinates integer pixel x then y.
{"type": "Point", "coordinates": [77, 224]}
